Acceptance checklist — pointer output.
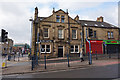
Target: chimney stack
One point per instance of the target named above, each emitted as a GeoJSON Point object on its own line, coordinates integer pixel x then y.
{"type": "Point", "coordinates": [53, 10]}
{"type": "Point", "coordinates": [67, 11]}
{"type": "Point", "coordinates": [100, 19]}
{"type": "Point", "coordinates": [36, 12]}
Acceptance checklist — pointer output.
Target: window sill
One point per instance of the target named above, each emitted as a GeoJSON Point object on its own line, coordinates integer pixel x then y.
{"type": "Point", "coordinates": [46, 52]}
{"type": "Point", "coordinates": [60, 38]}
{"type": "Point", "coordinates": [46, 37]}
{"type": "Point", "coordinates": [110, 38]}
{"type": "Point", "coordinates": [74, 52]}
{"type": "Point", "coordinates": [74, 39]}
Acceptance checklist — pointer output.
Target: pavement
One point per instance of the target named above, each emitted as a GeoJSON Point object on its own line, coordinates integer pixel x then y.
{"type": "Point", "coordinates": [16, 67]}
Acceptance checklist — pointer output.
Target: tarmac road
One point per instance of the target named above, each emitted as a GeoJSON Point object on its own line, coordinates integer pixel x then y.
{"type": "Point", "coordinates": [109, 71]}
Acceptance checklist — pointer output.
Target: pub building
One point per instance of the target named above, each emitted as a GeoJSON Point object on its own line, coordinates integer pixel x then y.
{"type": "Point", "coordinates": [58, 35]}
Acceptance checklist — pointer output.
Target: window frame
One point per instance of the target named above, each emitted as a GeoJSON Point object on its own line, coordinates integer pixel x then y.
{"type": "Point", "coordinates": [71, 48]}
{"type": "Point", "coordinates": [45, 49]}
{"type": "Point", "coordinates": [111, 34]}
{"type": "Point", "coordinates": [75, 34]}
{"type": "Point", "coordinates": [74, 49]}
{"type": "Point", "coordinates": [108, 34]}
{"type": "Point", "coordinates": [57, 18]}
{"type": "Point", "coordinates": [62, 19]}
{"type": "Point", "coordinates": [44, 32]}
{"type": "Point", "coordinates": [62, 34]}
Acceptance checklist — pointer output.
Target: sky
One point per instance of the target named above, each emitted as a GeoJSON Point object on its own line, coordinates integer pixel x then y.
{"type": "Point", "coordinates": [15, 14]}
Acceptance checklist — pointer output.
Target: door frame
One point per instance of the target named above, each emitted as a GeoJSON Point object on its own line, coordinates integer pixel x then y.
{"type": "Point", "coordinates": [61, 47]}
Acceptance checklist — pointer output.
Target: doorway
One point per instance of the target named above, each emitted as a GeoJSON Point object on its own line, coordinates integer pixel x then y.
{"type": "Point", "coordinates": [60, 51]}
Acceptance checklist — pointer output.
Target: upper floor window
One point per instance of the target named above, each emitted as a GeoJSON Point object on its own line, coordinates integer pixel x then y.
{"type": "Point", "coordinates": [60, 33]}
{"type": "Point", "coordinates": [57, 18]}
{"type": "Point", "coordinates": [62, 19]}
{"type": "Point", "coordinates": [111, 34]}
{"type": "Point", "coordinates": [94, 34]}
{"type": "Point", "coordinates": [108, 34]}
{"type": "Point", "coordinates": [46, 33]}
{"type": "Point", "coordinates": [74, 34]}
{"type": "Point", "coordinates": [74, 49]}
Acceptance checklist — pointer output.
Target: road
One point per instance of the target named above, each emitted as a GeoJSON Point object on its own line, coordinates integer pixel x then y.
{"type": "Point", "coordinates": [109, 71]}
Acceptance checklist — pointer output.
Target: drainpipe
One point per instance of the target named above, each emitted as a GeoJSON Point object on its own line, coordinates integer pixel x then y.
{"type": "Point", "coordinates": [90, 56]}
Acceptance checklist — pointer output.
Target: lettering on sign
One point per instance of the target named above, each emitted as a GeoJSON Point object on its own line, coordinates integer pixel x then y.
{"type": "Point", "coordinates": [113, 41]}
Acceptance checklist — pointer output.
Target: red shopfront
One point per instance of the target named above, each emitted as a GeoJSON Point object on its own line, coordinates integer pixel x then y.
{"type": "Point", "coordinates": [96, 45]}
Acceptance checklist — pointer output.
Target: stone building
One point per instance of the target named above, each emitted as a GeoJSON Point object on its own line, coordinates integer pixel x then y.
{"type": "Point", "coordinates": [7, 47]}
{"type": "Point", "coordinates": [105, 37]}
{"type": "Point", "coordinates": [59, 34]}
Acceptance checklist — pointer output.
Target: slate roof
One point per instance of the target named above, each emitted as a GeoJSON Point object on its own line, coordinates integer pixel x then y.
{"type": "Point", "coordinates": [96, 24]}
{"type": "Point", "coordinates": [88, 23]}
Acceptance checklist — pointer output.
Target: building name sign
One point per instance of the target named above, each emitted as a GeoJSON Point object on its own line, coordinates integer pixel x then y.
{"type": "Point", "coordinates": [111, 41]}
{"type": "Point", "coordinates": [46, 40]}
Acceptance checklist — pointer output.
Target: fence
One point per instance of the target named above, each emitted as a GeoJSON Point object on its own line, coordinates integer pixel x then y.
{"type": "Point", "coordinates": [71, 61]}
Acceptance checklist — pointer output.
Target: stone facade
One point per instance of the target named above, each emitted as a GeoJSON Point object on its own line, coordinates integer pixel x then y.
{"type": "Point", "coordinates": [59, 33]}
{"type": "Point", "coordinates": [7, 46]}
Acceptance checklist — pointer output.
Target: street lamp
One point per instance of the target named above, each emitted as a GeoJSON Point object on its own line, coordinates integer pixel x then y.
{"type": "Point", "coordinates": [35, 56]}
{"type": "Point", "coordinates": [31, 19]}
{"type": "Point", "coordinates": [32, 63]}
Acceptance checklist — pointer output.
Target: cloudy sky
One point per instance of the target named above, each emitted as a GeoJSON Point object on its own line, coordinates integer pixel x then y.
{"type": "Point", "coordinates": [15, 14]}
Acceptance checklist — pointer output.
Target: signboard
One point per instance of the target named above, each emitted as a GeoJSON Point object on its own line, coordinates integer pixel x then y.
{"type": "Point", "coordinates": [111, 41]}
{"type": "Point", "coordinates": [46, 40]}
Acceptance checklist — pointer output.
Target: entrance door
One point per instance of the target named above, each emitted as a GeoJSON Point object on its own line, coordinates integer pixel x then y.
{"type": "Point", "coordinates": [60, 51]}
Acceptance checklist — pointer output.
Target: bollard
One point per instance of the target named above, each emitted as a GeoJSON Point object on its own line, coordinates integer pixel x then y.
{"type": "Point", "coordinates": [109, 55]}
{"type": "Point", "coordinates": [90, 59]}
{"type": "Point", "coordinates": [96, 55]}
{"type": "Point", "coordinates": [36, 59]}
{"type": "Point", "coordinates": [45, 61]}
{"type": "Point", "coordinates": [68, 60]}
{"type": "Point", "coordinates": [32, 63]}
{"type": "Point", "coordinates": [88, 56]}
{"type": "Point", "coordinates": [118, 53]}
{"type": "Point", "coordinates": [118, 56]}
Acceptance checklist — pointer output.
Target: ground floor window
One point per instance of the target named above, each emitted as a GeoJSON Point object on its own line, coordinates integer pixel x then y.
{"type": "Point", "coordinates": [74, 49]}
{"type": "Point", "coordinates": [45, 48]}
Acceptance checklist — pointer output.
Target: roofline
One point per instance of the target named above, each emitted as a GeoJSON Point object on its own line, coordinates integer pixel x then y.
{"type": "Point", "coordinates": [102, 27]}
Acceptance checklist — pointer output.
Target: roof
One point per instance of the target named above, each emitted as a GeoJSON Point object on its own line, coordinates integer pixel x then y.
{"type": "Point", "coordinates": [62, 11]}
{"type": "Point", "coordinates": [96, 24]}
{"type": "Point", "coordinates": [41, 18]}
{"type": "Point", "coordinates": [87, 23]}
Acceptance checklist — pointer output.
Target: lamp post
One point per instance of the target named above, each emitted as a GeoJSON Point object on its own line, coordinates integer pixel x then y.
{"type": "Point", "coordinates": [32, 63]}
{"type": "Point", "coordinates": [36, 43]}
{"type": "Point", "coordinates": [68, 40]}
